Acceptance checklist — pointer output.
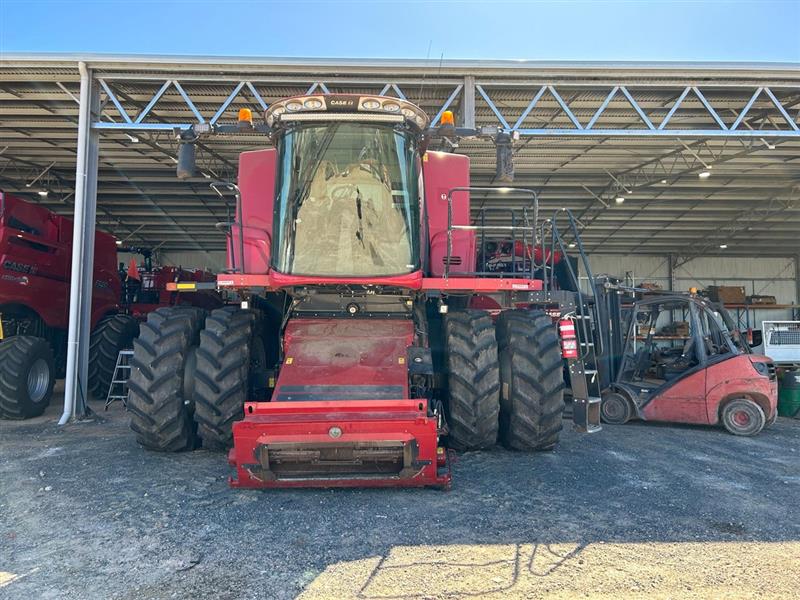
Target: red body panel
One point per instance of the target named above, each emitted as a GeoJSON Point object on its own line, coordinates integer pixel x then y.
{"type": "Point", "coordinates": [442, 172]}
{"type": "Point", "coordinates": [700, 396]}
{"type": "Point", "coordinates": [159, 288]}
{"type": "Point", "coordinates": [412, 281]}
{"type": "Point", "coordinates": [275, 280]}
{"type": "Point", "coordinates": [270, 427]}
{"type": "Point", "coordinates": [736, 378]}
{"type": "Point", "coordinates": [684, 402]}
{"type": "Point", "coordinates": [35, 263]}
{"type": "Point", "coordinates": [341, 411]}
{"type": "Point", "coordinates": [462, 254]}
{"type": "Point", "coordinates": [257, 187]}
{"type": "Point", "coordinates": [478, 284]}
{"type": "Point", "coordinates": [345, 352]}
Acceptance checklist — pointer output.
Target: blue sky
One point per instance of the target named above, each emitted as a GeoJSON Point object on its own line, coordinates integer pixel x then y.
{"type": "Point", "coordinates": [553, 30]}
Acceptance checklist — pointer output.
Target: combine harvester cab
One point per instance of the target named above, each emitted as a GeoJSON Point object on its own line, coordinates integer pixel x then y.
{"type": "Point", "coordinates": [359, 356]}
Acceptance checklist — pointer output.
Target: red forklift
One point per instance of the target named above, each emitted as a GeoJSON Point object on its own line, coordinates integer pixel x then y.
{"type": "Point", "coordinates": [681, 359]}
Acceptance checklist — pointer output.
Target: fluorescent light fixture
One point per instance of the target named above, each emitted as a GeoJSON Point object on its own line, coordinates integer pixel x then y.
{"type": "Point", "coordinates": [664, 181]}
{"type": "Point", "coordinates": [43, 193]}
{"type": "Point", "coordinates": [723, 246]}
{"type": "Point", "coordinates": [133, 138]}
{"type": "Point", "coordinates": [629, 191]}
{"type": "Point", "coordinates": [119, 242]}
{"type": "Point", "coordinates": [619, 199]}
{"type": "Point", "coordinates": [704, 174]}
{"type": "Point", "coordinates": [571, 245]}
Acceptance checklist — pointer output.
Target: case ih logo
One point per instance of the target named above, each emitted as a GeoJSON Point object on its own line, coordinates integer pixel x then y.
{"type": "Point", "coordinates": [341, 103]}
{"type": "Point", "coordinates": [10, 265]}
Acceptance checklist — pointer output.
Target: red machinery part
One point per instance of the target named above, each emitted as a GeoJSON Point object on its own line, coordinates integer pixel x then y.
{"type": "Point", "coordinates": [343, 443]}
{"type": "Point", "coordinates": [35, 263]}
{"type": "Point", "coordinates": [340, 415]}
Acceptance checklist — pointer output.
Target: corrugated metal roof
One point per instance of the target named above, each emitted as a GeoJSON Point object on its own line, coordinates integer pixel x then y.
{"type": "Point", "coordinates": [751, 201]}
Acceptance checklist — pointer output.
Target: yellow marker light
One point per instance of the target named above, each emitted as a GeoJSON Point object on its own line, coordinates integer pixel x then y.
{"type": "Point", "coordinates": [289, 360]}
{"type": "Point", "coordinates": [401, 361]}
{"type": "Point", "coordinates": [448, 119]}
{"type": "Point", "coordinates": [186, 286]}
{"type": "Point", "coordinates": [245, 115]}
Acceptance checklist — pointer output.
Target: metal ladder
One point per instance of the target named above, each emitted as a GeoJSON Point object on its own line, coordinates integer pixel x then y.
{"type": "Point", "coordinates": [584, 374]}
{"type": "Point", "coordinates": [118, 390]}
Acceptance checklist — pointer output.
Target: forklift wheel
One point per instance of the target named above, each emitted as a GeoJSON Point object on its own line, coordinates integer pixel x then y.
{"type": "Point", "coordinates": [743, 417]}
{"type": "Point", "coordinates": [615, 409]}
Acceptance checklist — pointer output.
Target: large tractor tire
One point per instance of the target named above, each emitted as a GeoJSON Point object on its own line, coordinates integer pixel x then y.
{"type": "Point", "coordinates": [160, 397]}
{"type": "Point", "coordinates": [473, 380]}
{"type": "Point", "coordinates": [223, 373]}
{"type": "Point", "coordinates": [532, 392]}
{"type": "Point", "coordinates": [112, 334]}
{"type": "Point", "coordinates": [27, 376]}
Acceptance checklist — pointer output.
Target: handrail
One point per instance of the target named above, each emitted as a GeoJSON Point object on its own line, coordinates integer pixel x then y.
{"type": "Point", "coordinates": [557, 238]}
{"type": "Point", "coordinates": [238, 218]}
{"type": "Point", "coordinates": [500, 190]}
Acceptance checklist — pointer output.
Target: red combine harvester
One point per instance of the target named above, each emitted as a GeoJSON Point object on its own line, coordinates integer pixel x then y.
{"type": "Point", "coordinates": [35, 262]}
{"type": "Point", "coordinates": [356, 357]}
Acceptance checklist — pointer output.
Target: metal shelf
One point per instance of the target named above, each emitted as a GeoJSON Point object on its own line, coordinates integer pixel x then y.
{"type": "Point", "coordinates": [743, 318]}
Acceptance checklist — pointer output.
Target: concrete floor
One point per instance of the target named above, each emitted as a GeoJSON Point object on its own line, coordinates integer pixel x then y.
{"type": "Point", "coordinates": [634, 511]}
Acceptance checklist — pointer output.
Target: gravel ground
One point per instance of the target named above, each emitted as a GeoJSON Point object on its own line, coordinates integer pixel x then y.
{"type": "Point", "coordinates": [634, 511]}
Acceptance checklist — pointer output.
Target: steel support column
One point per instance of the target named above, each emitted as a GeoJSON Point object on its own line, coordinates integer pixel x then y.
{"type": "Point", "coordinates": [468, 103]}
{"type": "Point", "coordinates": [80, 303]}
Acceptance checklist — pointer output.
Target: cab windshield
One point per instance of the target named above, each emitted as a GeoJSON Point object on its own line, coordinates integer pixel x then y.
{"type": "Point", "coordinates": [348, 202]}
